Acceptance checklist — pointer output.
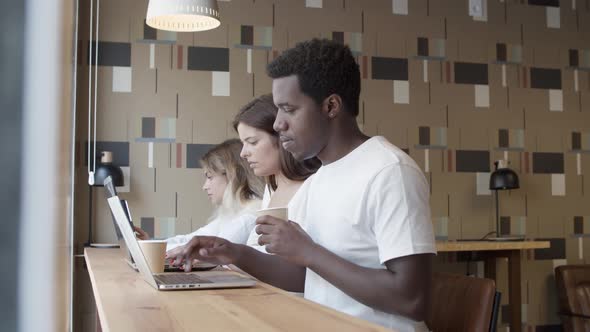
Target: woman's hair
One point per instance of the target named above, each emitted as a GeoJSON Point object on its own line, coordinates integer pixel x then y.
{"type": "Point", "coordinates": [242, 184]}
{"type": "Point", "coordinates": [261, 113]}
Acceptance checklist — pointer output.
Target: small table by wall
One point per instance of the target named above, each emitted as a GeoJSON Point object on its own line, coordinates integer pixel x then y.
{"type": "Point", "coordinates": [125, 302]}
{"type": "Point", "coordinates": [490, 250]}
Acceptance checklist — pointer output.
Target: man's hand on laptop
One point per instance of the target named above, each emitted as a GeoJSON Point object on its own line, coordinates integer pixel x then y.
{"type": "Point", "coordinates": [209, 249]}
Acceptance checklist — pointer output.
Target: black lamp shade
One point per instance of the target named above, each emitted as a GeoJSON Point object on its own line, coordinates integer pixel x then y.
{"type": "Point", "coordinates": [104, 170]}
{"type": "Point", "coordinates": [504, 178]}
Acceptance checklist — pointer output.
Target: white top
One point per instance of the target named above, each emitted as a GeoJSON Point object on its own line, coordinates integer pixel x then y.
{"type": "Point", "coordinates": [292, 209]}
{"type": "Point", "coordinates": [235, 228]}
{"type": "Point", "coordinates": [266, 197]}
{"type": "Point", "coordinates": [368, 207]}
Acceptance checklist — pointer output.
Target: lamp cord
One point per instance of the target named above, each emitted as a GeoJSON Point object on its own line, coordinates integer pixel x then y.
{"type": "Point", "coordinates": [488, 234]}
{"type": "Point", "coordinates": [90, 173]}
{"type": "Point", "coordinates": [91, 118]}
{"type": "Point", "coordinates": [96, 77]}
{"type": "Point", "coordinates": [89, 217]}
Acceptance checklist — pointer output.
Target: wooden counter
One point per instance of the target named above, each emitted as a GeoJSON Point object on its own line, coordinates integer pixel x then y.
{"type": "Point", "coordinates": [127, 303]}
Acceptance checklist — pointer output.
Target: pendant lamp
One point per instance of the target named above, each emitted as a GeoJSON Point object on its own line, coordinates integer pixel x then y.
{"type": "Point", "coordinates": [183, 15]}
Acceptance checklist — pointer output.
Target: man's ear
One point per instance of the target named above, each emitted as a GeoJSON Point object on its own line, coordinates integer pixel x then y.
{"type": "Point", "coordinates": [332, 105]}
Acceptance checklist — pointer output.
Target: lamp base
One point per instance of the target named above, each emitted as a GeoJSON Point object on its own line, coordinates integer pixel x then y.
{"type": "Point", "coordinates": [505, 238]}
{"type": "Point", "coordinates": [104, 245]}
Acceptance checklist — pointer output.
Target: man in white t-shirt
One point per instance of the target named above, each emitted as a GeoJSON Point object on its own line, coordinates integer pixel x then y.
{"type": "Point", "coordinates": [364, 241]}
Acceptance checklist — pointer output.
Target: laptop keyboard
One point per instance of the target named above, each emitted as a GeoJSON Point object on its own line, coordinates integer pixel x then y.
{"type": "Point", "coordinates": [180, 278]}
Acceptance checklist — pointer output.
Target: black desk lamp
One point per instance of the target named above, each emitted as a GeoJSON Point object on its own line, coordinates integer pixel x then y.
{"type": "Point", "coordinates": [105, 168]}
{"type": "Point", "coordinates": [503, 178]}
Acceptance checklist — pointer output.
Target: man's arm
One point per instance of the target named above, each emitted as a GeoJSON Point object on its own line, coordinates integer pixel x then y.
{"type": "Point", "coordinates": [271, 269]}
{"type": "Point", "coordinates": [403, 288]}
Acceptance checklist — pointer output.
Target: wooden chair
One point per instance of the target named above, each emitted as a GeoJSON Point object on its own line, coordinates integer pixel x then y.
{"type": "Point", "coordinates": [573, 291]}
{"type": "Point", "coordinates": [460, 303]}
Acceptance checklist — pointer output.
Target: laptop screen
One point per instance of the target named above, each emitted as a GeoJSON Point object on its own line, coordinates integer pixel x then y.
{"type": "Point", "coordinates": [111, 191]}
{"type": "Point", "coordinates": [109, 187]}
{"type": "Point", "coordinates": [130, 241]}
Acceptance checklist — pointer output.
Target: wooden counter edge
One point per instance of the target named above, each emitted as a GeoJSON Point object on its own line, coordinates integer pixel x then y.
{"type": "Point", "coordinates": [450, 246]}
{"type": "Point", "coordinates": [99, 306]}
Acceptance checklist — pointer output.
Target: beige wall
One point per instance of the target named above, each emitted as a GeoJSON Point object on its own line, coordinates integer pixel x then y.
{"type": "Point", "coordinates": [151, 98]}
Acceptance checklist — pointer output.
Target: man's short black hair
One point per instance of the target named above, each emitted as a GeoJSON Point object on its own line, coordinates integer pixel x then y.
{"type": "Point", "coordinates": [324, 67]}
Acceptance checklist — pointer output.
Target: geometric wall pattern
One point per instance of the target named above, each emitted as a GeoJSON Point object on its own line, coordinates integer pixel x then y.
{"type": "Point", "coordinates": [455, 92]}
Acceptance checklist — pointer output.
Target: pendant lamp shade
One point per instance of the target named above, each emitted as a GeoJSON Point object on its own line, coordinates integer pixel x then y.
{"type": "Point", "coordinates": [183, 15]}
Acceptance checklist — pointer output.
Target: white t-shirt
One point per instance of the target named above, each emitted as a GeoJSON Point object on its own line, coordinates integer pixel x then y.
{"type": "Point", "coordinates": [235, 228]}
{"type": "Point", "coordinates": [368, 207]}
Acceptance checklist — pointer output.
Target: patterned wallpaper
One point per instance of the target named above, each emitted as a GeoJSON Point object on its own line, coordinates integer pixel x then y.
{"type": "Point", "coordinates": [456, 92]}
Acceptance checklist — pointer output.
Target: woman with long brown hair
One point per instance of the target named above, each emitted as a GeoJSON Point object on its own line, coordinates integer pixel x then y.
{"type": "Point", "coordinates": [267, 158]}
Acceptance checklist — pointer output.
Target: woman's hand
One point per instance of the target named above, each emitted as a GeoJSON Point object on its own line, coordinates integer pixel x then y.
{"type": "Point", "coordinates": [173, 253]}
{"type": "Point", "coordinates": [140, 233]}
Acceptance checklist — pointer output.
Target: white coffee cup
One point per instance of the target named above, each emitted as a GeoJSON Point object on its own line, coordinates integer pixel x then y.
{"type": "Point", "coordinates": [154, 252]}
{"type": "Point", "coordinates": [277, 212]}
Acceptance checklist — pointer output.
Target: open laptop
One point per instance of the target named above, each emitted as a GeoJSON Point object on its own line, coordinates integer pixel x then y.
{"type": "Point", "coordinates": [110, 191]}
{"type": "Point", "coordinates": [173, 281]}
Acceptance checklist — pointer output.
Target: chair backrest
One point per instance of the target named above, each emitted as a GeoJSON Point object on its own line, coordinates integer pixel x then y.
{"type": "Point", "coordinates": [460, 303]}
{"type": "Point", "coordinates": [570, 278]}
{"type": "Point", "coordinates": [573, 292]}
{"type": "Point", "coordinates": [583, 296]}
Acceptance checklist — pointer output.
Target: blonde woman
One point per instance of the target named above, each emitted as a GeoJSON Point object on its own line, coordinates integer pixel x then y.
{"type": "Point", "coordinates": [233, 189]}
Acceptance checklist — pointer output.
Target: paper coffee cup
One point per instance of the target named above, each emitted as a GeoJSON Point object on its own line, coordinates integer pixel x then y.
{"type": "Point", "coordinates": [154, 252]}
{"type": "Point", "coordinates": [278, 212]}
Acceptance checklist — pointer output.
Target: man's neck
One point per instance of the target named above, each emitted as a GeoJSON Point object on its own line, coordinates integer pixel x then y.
{"type": "Point", "coordinates": [346, 136]}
